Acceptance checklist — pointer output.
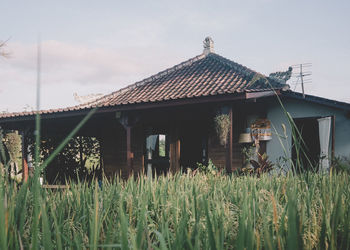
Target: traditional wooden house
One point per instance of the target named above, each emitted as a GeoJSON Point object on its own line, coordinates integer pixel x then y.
{"type": "Point", "coordinates": [167, 121]}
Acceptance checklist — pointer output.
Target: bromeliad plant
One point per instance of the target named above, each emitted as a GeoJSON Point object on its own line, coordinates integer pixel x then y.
{"type": "Point", "coordinates": [263, 165]}
{"type": "Point", "coordinates": [259, 167]}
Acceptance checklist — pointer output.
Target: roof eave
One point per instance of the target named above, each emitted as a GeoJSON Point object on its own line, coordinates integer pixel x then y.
{"type": "Point", "coordinates": [319, 100]}
{"type": "Point", "coordinates": [148, 105]}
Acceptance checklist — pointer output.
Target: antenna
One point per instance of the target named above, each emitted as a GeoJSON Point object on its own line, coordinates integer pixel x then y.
{"type": "Point", "coordinates": [302, 80]}
{"type": "Point", "coordinates": [302, 77]}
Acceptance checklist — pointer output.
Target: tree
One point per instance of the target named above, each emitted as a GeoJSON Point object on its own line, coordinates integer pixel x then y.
{"type": "Point", "coordinates": [3, 52]}
{"type": "Point", "coordinates": [80, 158]}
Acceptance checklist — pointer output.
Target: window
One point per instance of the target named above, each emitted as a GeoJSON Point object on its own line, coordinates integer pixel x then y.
{"type": "Point", "coordinates": [161, 145]}
{"type": "Point", "coordinates": [156, 146]}
{"type": "Point", "coordinates": [157, 154]}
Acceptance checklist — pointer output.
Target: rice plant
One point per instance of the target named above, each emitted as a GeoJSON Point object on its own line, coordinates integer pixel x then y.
{"type": "Point", "coordinates": [180, 212]}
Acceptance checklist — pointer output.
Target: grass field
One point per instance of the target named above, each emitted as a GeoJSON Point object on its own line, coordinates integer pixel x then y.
{"type": "Point", "coordinates": [180, 212]}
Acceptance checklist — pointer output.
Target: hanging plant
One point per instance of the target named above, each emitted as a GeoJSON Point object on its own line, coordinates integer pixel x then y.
{"type": "Point", "coordinates": [222, 127]}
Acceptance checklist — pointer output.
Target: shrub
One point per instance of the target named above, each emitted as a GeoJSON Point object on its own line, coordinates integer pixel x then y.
{"type": "Point", "coordinates": [341, 164]}
{"type": "Point", "coordinates": [209, 168]}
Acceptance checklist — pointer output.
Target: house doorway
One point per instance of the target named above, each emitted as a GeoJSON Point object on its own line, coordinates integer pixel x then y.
{"type": "Point", "coordinates": [306, 147]}
{"type": "Point", "coordinates": [194, 147]}
{"type": "Point", "coordinates": [157, 154]}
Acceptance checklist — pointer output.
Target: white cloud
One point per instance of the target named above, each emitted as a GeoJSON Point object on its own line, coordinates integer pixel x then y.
{"type": "Point", "coordinates": [68, 68]}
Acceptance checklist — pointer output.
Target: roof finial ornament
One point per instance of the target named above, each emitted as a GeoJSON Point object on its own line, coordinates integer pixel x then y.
{"type": "Point", "coordinates": [208, 45]}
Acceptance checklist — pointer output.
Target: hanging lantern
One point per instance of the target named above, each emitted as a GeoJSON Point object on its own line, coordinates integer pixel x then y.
{"type": "Point", "coordinates": [245, 138]}
{"type": "Point", "coordinates": [261, 130]}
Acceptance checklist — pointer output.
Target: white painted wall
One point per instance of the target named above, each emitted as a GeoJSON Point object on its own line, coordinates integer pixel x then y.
{"type": "Point", "coordinates": [281, 146]}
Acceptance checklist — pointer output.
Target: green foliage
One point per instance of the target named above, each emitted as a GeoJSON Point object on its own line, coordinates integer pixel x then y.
{"type": "Point", "coordinates": [209, 168]}
{"type": "Point", "coordinates": [79, 158]}
{"type": "Point", "coordinates": [341, 164]}
{"type": "Point", "coordinates": [248, 153]}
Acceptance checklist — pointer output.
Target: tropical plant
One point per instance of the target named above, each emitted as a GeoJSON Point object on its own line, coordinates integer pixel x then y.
{"type": "Point", "coordinates": [262, 165]}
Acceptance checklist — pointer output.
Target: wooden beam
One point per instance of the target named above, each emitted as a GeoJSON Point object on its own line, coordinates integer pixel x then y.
{"type": "Point", "coordinates": [229, 144]}
{"type": "Point", "coordinates": [260, 94]}
{"type": "Point", "coordinates": [128, 107]}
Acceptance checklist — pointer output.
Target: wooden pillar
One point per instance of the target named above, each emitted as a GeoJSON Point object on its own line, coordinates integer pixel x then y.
{"type": "Point", "coordinates": [229, 144]}
{"type": "Point", "coordinates": [172, 155]}
{"type": "Point", "coordinates": [174, 149]}
{"type": "Point", "coordinates": [127, 123]}
{"type": "Point", "coordinates": [24, 157]}
{"type": "Point", "coordinates": [129, 154]}
{"type": "Point", "coordinates": [177, 154]}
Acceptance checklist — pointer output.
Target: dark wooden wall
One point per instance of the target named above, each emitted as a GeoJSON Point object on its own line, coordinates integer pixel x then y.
{"type": "Point", "coordinates": [113, 139]}
{"type": "Point", "coordinates": [113, 150]}
{"type": "Point", "coordinates": [177, 122]}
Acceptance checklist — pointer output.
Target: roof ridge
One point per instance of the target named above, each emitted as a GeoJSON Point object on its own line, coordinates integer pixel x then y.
{"type": "Point", "coordinates": [147, 79]}
{"type": "Point", "coordinates": [235, 65]}
{"type": "Point", "coordinates": [254, 75]}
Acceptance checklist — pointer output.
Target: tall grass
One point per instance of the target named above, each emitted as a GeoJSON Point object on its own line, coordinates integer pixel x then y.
{"type": "Point", "coordinates": [181, 212]}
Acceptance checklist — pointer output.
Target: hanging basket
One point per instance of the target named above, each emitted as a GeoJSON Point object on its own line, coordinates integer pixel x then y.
{"type": "Point", "coordinates": [222, 127]}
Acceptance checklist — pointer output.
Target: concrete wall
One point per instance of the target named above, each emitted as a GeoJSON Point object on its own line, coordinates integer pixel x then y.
{"type": "Point", "coordinates": [281, 145]}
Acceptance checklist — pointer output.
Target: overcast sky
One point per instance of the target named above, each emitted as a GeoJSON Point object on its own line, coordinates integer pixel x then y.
{"type": "Point", "coordinates": [101, 46]}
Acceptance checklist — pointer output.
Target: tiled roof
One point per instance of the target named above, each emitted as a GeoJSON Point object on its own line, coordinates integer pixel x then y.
{"type": "Point", "coordinates": [203, 75]}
